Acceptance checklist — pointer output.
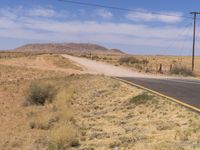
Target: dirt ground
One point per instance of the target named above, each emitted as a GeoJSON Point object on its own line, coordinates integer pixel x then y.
{"type": "Point", "coordinates": [153, 65]}
{"type": "Point", "coordinates": [88, 111]}
{"type": "Point", "coordinates": [93, 67]}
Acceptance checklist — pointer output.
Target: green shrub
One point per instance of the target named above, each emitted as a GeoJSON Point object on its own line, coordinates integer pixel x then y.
{"type": "Point", "coordinates": [141, 98]}
{"type": "Point", "coordinates": [181, 70]}
{"type": "Point", "coordinates": [39, 93]}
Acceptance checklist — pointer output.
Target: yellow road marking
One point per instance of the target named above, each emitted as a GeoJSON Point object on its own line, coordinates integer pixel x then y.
{"type": "Point", "coordinates": [160, 94]}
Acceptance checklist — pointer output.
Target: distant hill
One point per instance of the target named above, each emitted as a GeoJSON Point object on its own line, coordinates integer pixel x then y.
{"type": "Point", "coordinates": [67, 48]}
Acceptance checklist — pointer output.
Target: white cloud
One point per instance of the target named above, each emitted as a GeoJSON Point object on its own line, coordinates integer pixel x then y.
{"type": "Point", "coordinates": [171, 17]}
{"type": "Point", "coordinates": [42, 12]}
{"type": "Point", "coordinates": [51, 29]}
{"type": "Point", "coordinates": [105, 14]}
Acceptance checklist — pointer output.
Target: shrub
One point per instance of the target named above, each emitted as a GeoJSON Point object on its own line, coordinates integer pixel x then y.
{"type": "Point", "coordinates": [43, 121]}
{"type": "Point", "coordinates": [95, 57]}
{"type": "Point", "coordinates": [181, 70]}
{"type": "Point", "coordinates": [138, 66]}
{"type": "Point", "coordinates": [127, 60]}
{"type": "Point", "coordinates": [63, 138]}
{"type": "Point", "coordinates": [141, 98]}
{"type": "Point", "coordinates": [39, 94]}
{"type": "Point", "coordinates": [132, 60]}
{"type": "Point", "coordinates": [144, 61]}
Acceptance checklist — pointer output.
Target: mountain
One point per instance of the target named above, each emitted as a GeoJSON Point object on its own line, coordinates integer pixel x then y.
{"type": "Point", "coordinates": [67, 48]}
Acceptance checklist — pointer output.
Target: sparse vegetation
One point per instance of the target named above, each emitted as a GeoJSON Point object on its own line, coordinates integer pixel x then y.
{"type": "Point", "coordinates": [9, 55]}
{"type": "Point", "coordinates": [88, 112]}
{"type": "Point", "coordinates": [132, 60]}
{"type": "Point", "coordinates": [63, 137]}
{"type": "Point", "coordinates": [128, 60]}
{"type": "Point", "coordinates": [141, 98]}
{"type": "Point", "coordinates": [40, 93]}
{"type": "Point", "coordinates": [181, 70]}
{"type": "Point", "coordinates": [178, 65]}
{"type": "Point", "coordinates": [61, 62]}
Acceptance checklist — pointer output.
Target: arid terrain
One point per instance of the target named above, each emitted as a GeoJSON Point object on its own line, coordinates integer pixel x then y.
{"type": "Point", "coordinates": [84, 111]}
{"type": "Point", "coordinates": [70, 48]}
{"type": "Point", "coordinates": [167, 65]}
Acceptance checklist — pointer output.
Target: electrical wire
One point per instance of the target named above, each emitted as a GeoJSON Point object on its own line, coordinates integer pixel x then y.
{"type": "Point", "coordinates": [183, 45]}
{"type": "Point", "coordinates": [122, 9]}
{"type": "Point", "coordinates": [180, 34]}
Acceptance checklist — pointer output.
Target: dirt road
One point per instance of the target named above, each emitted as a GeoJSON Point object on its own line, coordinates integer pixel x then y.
{"type": "Point", "coordinates": [94, 67]}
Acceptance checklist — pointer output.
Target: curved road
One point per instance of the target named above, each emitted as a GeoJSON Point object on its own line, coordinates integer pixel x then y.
{"type": "Point", "coordinates": [183, 89]}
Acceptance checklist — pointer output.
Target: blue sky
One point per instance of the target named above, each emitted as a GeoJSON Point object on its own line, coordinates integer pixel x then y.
{"type": "Point", "coordinates": [44, 21]}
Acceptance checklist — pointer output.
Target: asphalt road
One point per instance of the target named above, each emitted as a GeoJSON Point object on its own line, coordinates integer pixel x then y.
{"type": "Point", "coordinates": [185, 90]}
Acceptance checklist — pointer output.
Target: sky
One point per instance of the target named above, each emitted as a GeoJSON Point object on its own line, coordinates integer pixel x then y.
{"type": "Point", "coordinates": [135, 32]}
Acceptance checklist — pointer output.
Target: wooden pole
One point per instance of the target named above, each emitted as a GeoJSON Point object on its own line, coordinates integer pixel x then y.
{"type": "Point", "coordinates": [194, 38]}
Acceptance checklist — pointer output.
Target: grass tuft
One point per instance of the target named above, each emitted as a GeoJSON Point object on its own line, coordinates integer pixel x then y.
{"type": "Point", "coordinates": [63, 138]}
{"type": "Point", "coordinates": [141, 98]}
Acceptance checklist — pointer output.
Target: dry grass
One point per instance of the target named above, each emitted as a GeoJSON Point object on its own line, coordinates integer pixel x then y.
{"type": "Point", "coordinates": [90, 112]}
{"type": "Point", "coordinates": [63, 137]}
{"type": "Point", "coordinates": [9, 55]}
{"type": "Point", "coordinates": [151, 64]}
{"type": "Point", "coordinates": [38, 121]}
{"type": "Point", "coordinates": [95, 112]}
{"type": "Point", "coordinates": [45, 62]}
{"type": "Point", "coordinates": [62, 62]}
{"type": "Point", "coordinates": [108, 119]}
{"type": "Point", "coordinates": [31, 127]}
{"type": "Point", "coordinates": [181, 70]}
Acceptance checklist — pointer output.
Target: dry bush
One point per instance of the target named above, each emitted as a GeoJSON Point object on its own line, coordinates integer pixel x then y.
{"type": "Point", "coordinates": [63, 102]}
{"type": "Point", "coordinates": [96, 57]}
{"type": "Point", "coordinates": [127, 60]}
{"type": "Point", "coordinates": [43, 121]}
{"type": "Point", "coordinates": [181, 70]}
{"type": "Point", "coordinates": [40, 93]}
{"type": "Point", "coordinates": [63, 137]}
{"type": "Point", "coordinates": [132, 60]}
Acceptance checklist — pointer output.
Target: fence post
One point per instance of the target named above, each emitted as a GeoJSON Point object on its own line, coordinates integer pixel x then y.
{"type": "Point", "coordinates": [160, 68]}
{"type": "Point", "coordinates": [170, 69]}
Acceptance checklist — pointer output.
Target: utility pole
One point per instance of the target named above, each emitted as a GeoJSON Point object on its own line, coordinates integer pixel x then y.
{"type": "Point", "coordinates": [194, 38]}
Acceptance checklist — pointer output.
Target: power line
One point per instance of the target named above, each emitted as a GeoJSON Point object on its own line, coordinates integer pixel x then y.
{"type": "Point", "coordinates": [178, 35]}
{"type": "Point", "coordinates": [122, 9]}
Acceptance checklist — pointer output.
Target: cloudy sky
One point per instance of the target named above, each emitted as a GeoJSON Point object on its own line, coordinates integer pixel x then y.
{"type": "Point", "coordinates": [137, 32]}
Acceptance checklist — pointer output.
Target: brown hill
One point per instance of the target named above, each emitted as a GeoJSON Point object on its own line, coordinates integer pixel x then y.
{"type": "Point", "coordinates": [67, 48]}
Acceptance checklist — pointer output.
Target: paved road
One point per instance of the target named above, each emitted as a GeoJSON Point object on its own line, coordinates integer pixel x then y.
{"type": "Point", "coordinates": [185, 90]}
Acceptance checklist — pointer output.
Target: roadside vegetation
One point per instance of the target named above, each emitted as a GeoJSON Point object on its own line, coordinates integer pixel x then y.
{"type": "Point", "coordinates": [73, 111]}
{"type": "Point", "coordinates": [141, 98]}
{"type": "Point", "coordinates": [182, 70]}
{"type": "Point", "coordinates": [61, 62]}
{"type": "Point", "coordinates": [169, 65]}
